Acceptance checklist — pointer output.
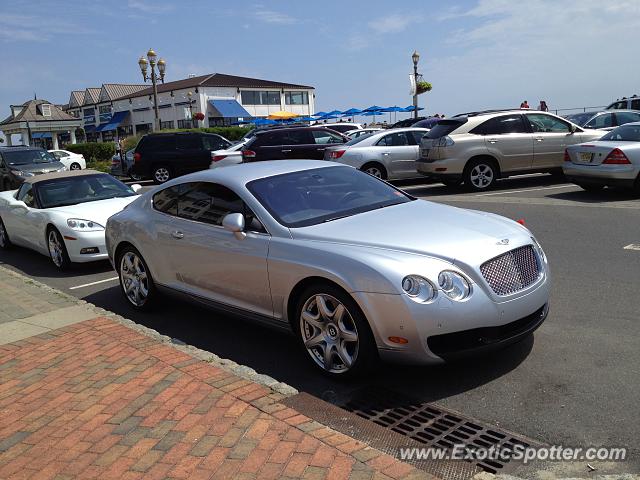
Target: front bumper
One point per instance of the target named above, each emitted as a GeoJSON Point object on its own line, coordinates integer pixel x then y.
{"type": "Point", "coordinates": [609, 175]}
{"type": "Point", "coordinates": [444, 329]}
{"type": "Point", "coordinates": [82, 241]}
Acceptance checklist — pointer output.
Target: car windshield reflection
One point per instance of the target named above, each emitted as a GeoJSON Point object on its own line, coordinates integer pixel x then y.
{"type": "Point", "coordinates": [74, 190]}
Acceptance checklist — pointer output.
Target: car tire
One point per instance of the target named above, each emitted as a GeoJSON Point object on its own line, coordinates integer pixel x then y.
{"type": "Point", "coordinates": [57, 249]}
{"type": "Point", "coordinates": [136, 282]}
{"type": "Point", "coordinates": [75, 166]}
{"type": "Point", "coordinates": [591, 188]}
{"type": "Point", "coordinates": [351, 347]}
{"type": "Point", "coordinates": [161, 174]}
{"type": "Point", "coordinates": [5, 242]}
{"type": "Point", "coordinates": [451, 182]}
{"type": "Point", "coordinates": [480, 175]}
{"type": "Point", "coordinates": [375, 169]}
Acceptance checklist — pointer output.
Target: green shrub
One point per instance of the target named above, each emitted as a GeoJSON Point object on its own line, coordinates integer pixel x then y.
{"type": "Point", "coordinates": [101, 165]}
{"type": "Point", "coordinates": [131, 142]}
{"type": "Point", "coordinates": [94, 151]}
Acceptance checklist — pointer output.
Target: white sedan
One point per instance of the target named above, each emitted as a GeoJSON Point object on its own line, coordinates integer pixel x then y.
{"type": "Point", "coordinates": [62, 215]}
{"type": "Point", "coordinates": [230, 156]}
{"type": "Point", "coordinates": [73, 161]}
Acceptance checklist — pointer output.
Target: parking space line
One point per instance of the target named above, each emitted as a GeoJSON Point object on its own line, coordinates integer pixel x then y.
{"type": "Point", "coordinates": [527, 190]}
{"type": "Point", "coordinates": [93, 283]}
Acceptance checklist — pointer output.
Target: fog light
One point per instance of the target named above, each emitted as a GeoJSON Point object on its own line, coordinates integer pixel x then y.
{"type": "Point", "coordinates": [89, 250]}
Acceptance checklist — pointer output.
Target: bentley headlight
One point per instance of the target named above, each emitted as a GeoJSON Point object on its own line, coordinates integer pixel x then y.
{"type": "Point", "coordinates": [454, 285]}
{"type": "Point", "coordinates": [81, 225]}
{"type": "Point", "coordinates": [538, 249]}
{"type": "Point", "coordinates": [418, 288]}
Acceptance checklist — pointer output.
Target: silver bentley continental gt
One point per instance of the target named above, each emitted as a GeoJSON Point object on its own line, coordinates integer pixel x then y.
{"type": "Point", "coordinates": [355, 267]}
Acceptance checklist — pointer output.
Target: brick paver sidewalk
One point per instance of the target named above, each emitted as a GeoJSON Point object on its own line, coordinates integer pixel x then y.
{"type": "Point", "coordinates": [98, 399]}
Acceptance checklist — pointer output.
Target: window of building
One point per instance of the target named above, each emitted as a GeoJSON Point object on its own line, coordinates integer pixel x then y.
{"type": "Point", "coordinates": [296, 98]}
{"type": "Point", "coordinates": [46, 110]}
{"type": "Point", "coordinates": [165, 125]}
{"type": "Point", "coordinates": [184, 123]}
{"type": "Point", "coordinates": [104, 109]}
{"type": "Point", "coordinates": [88, 112]}
{"type": "Point", "coordinates": [260, 98]}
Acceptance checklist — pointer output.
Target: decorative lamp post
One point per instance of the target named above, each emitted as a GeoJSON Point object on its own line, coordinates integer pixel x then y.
{"type": "Point", "coordinates": [415, 57]}
{"type": "Point", "coordinates": [189, 95]}
{"type": "Point", "coordinates": [154, 77]}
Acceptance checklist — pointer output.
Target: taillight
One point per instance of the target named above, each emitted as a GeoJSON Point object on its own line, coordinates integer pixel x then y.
{"type": "Point", "coordinates": [217, 158]}
{"type": "Point", "coordinates": [616, 157]}
{"type": "Point", "coordinates": [333, 154]}
{"type": "Point", "coordinates": [566, 155]}
{"type": "Point", "coordinates": [248, 154]}
{"type": "Point", "coordinates": [137, 157]}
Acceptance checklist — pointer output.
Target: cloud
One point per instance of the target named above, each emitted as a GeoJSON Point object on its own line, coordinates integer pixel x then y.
{"type": "Point", "coordinates": [32, 28]}
{"type": "Point", "coordinates": [271, 16]}
{"type": "Point", "coordinates": [356, 42]}
{"type": "Point", "coordinates": [393, 23]}
{"type": "Point", "coordinates": [149, 7]}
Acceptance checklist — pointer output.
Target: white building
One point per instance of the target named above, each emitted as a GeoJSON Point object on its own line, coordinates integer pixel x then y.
{"type": "Point", "coordinates": [122, 110]}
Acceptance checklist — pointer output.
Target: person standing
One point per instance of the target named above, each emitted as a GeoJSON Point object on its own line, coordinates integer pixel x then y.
{"type": "Point", "coordinates": [525, 105]}
{"type": "Point", "coordinates": [543, 106]}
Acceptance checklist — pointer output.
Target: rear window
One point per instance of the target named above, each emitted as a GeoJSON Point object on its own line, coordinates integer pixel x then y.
{"type": "Point", "coordinates": [24, 157]}
{"type": "Point", "coordinates": [339, 128]}
{"type": "Point", "coordinates": [444, 128]}
{"type": "Point", "coordinates": [625, 133]}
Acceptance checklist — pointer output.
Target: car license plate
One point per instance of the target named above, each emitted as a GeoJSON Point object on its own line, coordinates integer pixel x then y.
{"type": "Point", "coordinates": [586, 157]}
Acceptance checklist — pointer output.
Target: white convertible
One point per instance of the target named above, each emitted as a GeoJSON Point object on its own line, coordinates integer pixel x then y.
{"type": "Point", "coordinates": [62, 215]}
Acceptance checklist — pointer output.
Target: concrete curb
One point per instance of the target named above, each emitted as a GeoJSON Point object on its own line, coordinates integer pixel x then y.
{"type": "Point", "coordinates": [242, 371]}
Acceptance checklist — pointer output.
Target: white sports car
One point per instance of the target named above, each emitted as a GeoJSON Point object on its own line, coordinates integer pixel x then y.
{"type": "Point", "coordinates": [72, 161]}
{"type": "Point", "coordinates": [62, 215]}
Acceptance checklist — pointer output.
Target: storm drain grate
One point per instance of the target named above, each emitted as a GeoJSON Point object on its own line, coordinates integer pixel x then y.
{"type": "Point", "coordinates": [432, 425]}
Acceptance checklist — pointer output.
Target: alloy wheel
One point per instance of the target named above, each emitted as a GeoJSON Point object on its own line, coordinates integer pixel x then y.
{"type": "Point", "coordinates": [56, 250]}
{"type": "Point", "coordinates": [375, 171]}
{"type": "Point", "coordinates": [161, 174]}
{"type": "Point", "coordinates": [329, 333]}
{"type": "Point", "coordinates": [134, 278]}
{"type": "Point", "coordinates": [481, 176]}
{"type": "Point", "coordinates": [74, 166]}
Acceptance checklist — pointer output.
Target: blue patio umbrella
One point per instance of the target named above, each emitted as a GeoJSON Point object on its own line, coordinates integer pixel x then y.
{"type": "Point", "coordinates": [334, 112]}
{"type": "Point", "coordinates": [394, 109]}
{"type": "Point", "coordinates": [328, 116]}
{"type": "Point", "coordinates": [411, 108]}
{"type": "Point", "coordinates": [306, 119]}
{"type": "Point", "coordinates": [371, 113]}
{"type": "Point", "coordinates": [319, 114]}
{"type": "Point", "coordinates": [373, 108]}
{"type": "Point", "coordinates": [264, 121]}
{"type": "Point", "coordinates": [351, 112]}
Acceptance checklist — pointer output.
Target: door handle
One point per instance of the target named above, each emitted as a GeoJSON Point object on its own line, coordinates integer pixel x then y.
{"type": "Point", "coordinates": [493, 140]}
{"type": "Point", "coordinates": [286, 151]}
{"type": "Point", "coordinates": [321, 149]}
{"type": "Point", "coordinates": [539, 139]}
{"type": "Point", "coordinates": [386, 153]}
{"type": "Point", "coordinates": [177, 234]}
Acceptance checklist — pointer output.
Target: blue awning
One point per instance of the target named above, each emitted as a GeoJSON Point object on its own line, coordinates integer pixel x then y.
{"type": "Point", "coordinates": [89, 128]}
{"type": "Point", "coordinates": [229, 109]}
{"type": "Point", "coordinates": [116, 119]}
{"type": "Point", "coordinates": [41, 135]}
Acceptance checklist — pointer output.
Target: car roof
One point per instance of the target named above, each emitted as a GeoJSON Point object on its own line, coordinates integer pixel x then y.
{"type": "Point", "coordinates": [241, 174]}
{"type": "Point", "coordinates": [64, 174]}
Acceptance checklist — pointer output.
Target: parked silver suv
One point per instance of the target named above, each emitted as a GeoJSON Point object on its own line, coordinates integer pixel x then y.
{"type": "Point", "coordinates": [478, 148]}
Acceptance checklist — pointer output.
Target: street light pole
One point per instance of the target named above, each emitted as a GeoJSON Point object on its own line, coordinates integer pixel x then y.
{"type": "Point", "coordinates": [161, 64]}
{"type": "Point", "coordinates": [415, 57]}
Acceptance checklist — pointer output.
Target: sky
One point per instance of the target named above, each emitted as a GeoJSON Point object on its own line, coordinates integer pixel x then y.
{"type": "Point", "coordinates": [478, 54]}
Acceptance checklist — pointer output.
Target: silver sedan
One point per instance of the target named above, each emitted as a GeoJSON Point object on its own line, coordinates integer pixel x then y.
{"type": "Point", "coordinates": [612, 161]}
{"type": "Point", "coordinates": [353, 266]}
{"type": "Point", "coordinates": [389, 154]}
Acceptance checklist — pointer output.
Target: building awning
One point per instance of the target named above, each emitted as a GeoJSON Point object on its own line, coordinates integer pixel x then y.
{"type": "Point", "coordinates": [89, 128]}
{"type": "Point", "coordinates": [116, 119]}
{"type": "Point", "coordinates": [229, 109]}
{"type": "Point", "coordinates": [41, 135]}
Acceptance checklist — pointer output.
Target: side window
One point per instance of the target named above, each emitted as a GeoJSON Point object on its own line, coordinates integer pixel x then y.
{"type": "Point", "coordinates": [297, 137]}
{"type": "Point", "coordinates": [618, 105]}
{"type": "Point", "coordinates": [159, 144]}
{"type": "Point", "coordinates": [601, 121]}
{"type": "Point", "coordinates": [627, 117]}
{"type": "Point", "coordinates": [501, 126]}
{"type": "Point", "coordinates": [26, 195]}
{"type": "Point", "coordinates": [635, 104]}
{"type": "Point", "coordinates": [214, 142]}
{"type": "Point", "coordinates": [397, 139]}
{"type": "Point", "coordinates": [323, 137]}
{"type": "Point", "coordinates": [271, 139]}
{"type": "Point", "coordinates": [188, 142]}
{"type": "Point", "coordinates": [417, 135]}
{"type": "Point", "coordinates": [541, 123]}
{"type": "Point", "coordinates": [166, 201]}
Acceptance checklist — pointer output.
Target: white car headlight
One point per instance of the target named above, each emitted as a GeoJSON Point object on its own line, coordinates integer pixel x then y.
{"type": "Point", "coordinates": [20, 173]}
{"type": "Point", "coordinates": [81, 225]}
{"type": "Point", "coordinates": [538, 249]}
{"type": "Point", "coordinates": [418, 288]}
{"type": "Point", "coordinates": [454, 285]}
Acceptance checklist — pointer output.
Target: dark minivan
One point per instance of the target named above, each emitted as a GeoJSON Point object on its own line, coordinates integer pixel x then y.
{"type": "Point", "coordinates": [291, 143]}
{"type": "Point", "coordinates": [163, 156]}
{"type": "Point", "coordinates": [18, 163]}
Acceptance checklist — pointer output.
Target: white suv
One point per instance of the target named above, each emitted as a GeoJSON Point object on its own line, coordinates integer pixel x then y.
{"type": "Point", "coordinates": [480, 147]}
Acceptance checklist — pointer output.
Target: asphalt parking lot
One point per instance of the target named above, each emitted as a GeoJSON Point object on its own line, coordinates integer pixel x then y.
{"type": "Point", "coordinates": [575, 382]}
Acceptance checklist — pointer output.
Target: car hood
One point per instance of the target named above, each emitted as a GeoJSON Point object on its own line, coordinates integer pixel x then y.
{"type": "Point", "coordinates": [38, 167]}
{"type": "Point", "coordinates": [426, 228]}
{"type": "Point", "coordinates": [98, 211]}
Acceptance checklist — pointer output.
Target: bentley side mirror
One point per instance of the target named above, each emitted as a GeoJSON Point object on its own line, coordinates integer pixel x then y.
{"type": "Point", "coordinates": [572, 127]}
{"type": "Point", "coordinates": [234, 223]}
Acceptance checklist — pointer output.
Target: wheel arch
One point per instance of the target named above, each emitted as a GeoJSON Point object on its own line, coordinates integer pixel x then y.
{"type": "Point", "coordinates": [484, 157]}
